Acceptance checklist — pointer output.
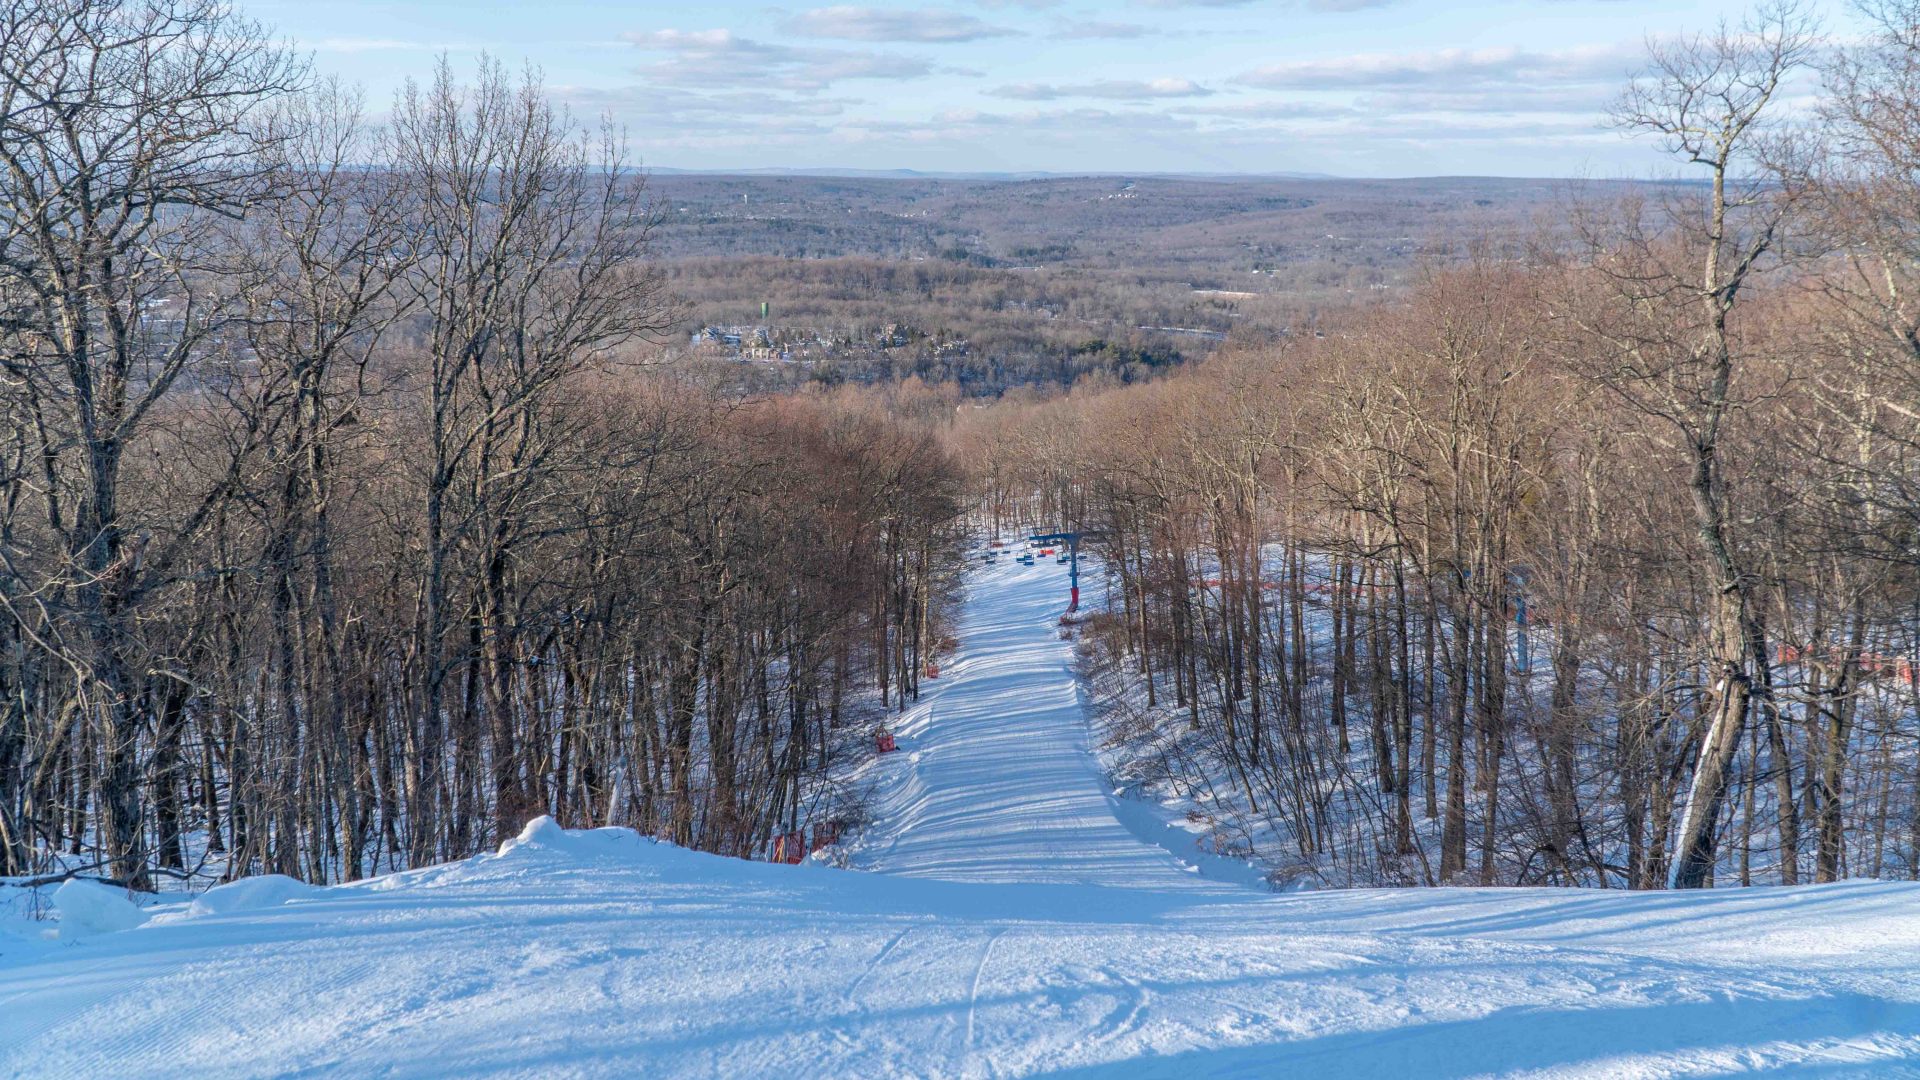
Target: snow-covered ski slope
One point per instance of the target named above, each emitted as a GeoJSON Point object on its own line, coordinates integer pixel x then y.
{"type": "Point", "coordinates": [1039, 937]}
{"type": "Point", "coordinates": [996, 781]}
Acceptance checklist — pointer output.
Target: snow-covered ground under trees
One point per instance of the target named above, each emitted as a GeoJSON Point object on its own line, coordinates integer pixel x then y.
{"type": "Point", "coordinates": [1006, 917]}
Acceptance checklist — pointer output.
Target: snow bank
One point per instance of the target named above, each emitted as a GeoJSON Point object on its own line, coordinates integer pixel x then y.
{"type": "Point", "coordinates": [543, 837]}
{"type": "Point", "coordinates": [87, 908]}
{"type": "Point", "coordinates": [541, 833]}
{"type": "Point", "coordinates": [247, 894]}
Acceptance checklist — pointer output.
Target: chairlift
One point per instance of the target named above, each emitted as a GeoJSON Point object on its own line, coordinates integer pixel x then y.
{"type": "Point", "coordinates": [1068, 544]}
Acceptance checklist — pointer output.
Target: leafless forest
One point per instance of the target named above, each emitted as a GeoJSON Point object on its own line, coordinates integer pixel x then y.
{"type": "Point", "coordinates": [1045, 282]}
{"type": "Point", "coordinates": [361, 497]}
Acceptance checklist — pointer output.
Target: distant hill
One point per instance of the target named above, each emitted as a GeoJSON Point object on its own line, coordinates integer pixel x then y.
{"type": "Point", "coordinates": [1210, 230]}
{"type": "Point", "coordinates": [917, 174]}
{"type": "Point", "coordinates": [993, 282]}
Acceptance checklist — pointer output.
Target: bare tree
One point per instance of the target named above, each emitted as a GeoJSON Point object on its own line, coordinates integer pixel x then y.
{"type": "Point", "coordinates": [1708, 100]}
{"type": "Point", "coordinates": [127, 128]}
{"type": "Point", "coordinates": [528, 237]}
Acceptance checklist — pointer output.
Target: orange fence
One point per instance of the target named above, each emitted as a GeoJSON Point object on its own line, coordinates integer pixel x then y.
{"type": "Point", "coordinates": [1899, 667]}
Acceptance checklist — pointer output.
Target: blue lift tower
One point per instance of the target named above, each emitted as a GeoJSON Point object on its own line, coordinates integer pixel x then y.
{"type": "Point", "coordinates": [1072, 540]}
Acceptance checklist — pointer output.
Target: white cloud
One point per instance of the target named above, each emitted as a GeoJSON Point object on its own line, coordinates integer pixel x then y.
{"type": "Point", "coordinates": [924, 25]}
{"type": "Point", "coordinates": [666, 106]}
{"type": "Point", "coordinates": [1254, 111]}
{"type": "Point", "coordinates": [1193, 3]}
{"type": "Point", "coordinates": [1111, 89]}
{"type": "Point", "coordinates": [1590, 101]}
{"type": "Point", "coordinates": [723, 58]}
{"type": "Point", "coordinates": [1311, 5]}
{"type": "Point", "coordinates": [693, 41]}
{"type": "Point", "coordinates": [1096, 29]}
{"type": "Point", "coordinates": [714, 94]}
{"type": "Point", "coordinates": [1454, 69]}
{"type": "Point", "coordinates": [1078, 124]}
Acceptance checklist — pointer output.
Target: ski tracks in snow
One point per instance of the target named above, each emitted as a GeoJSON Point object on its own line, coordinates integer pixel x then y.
{"type": "Point", "coordinates": [873, 965]}
{"type": "Point", "coordinates": [973, 1067]}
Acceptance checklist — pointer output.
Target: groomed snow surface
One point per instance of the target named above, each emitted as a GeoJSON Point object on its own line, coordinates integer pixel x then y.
{"type": "Point", "coordinates": [1006, 918]}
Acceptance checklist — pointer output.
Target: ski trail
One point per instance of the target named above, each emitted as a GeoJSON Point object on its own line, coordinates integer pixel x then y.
{"type": "Point", "coordinates": [996, 780]}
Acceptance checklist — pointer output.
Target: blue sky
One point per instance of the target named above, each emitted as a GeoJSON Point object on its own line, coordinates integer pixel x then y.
{"type": "Point", "coordinates": [1353, 87]}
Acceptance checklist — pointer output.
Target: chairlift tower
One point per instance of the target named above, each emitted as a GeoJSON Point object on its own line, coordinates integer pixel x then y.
{"type": "Point", "coordinates": [1072, 540]}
